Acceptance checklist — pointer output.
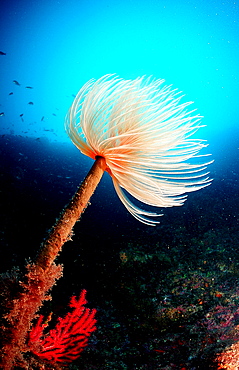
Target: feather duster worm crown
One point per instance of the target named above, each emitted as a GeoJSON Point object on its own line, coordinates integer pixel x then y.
{"type": "Point", "coordinates": [143, 131]}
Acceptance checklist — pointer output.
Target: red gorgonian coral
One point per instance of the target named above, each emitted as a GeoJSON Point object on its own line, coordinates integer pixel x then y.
{"type": "Point", "coordinates": [67, 340]}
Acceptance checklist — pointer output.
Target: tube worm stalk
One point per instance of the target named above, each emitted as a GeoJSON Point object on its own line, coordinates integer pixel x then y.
{"type": "Point", "coordinates": [62, 230]}
{"type": "Point", "coordinates": [42, 275]}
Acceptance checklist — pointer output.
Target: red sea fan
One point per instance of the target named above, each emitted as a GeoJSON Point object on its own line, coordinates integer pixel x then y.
{"type": "Point", "coordinates": [70, 336]}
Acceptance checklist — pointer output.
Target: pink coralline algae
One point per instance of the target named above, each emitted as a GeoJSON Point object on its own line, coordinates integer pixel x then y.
{"type": "Point", "coordinates": [66, 341]}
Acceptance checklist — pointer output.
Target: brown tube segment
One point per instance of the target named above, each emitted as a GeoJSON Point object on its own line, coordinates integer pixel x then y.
{"type": "Point", "coordinates": [62, 230]}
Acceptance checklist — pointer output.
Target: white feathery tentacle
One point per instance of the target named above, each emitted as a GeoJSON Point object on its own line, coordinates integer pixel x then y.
{"type": "Point", "coordinates": [143, 132]}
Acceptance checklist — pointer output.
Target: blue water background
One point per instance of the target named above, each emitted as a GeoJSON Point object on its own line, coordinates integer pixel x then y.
{"type": "Point", "coordinates": [56, 46]}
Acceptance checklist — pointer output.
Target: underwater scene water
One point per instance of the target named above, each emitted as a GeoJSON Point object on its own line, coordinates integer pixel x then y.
{"type": "Point", "coordinates": [167, 297]}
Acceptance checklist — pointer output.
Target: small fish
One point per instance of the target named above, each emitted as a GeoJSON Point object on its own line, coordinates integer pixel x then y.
{"type": "Point", "coordinates": [2, 53]}
{"type": "Point", "coordinates": [21, 117]}
{"type": "Point", "coordinates": [2, 114]}
{"type": "Point", "coordinates": [10, 93]}
{"type": "Point", "coordinates": [30, 103]}
{"type": "Point", "coordinates": [16, 82]}
{"type": "Point", "coordinates": [54, 114]}
{"type": "Point", "coordinates": [42, 118]}
{"type": "Point", "coordinates": [29, 87]}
